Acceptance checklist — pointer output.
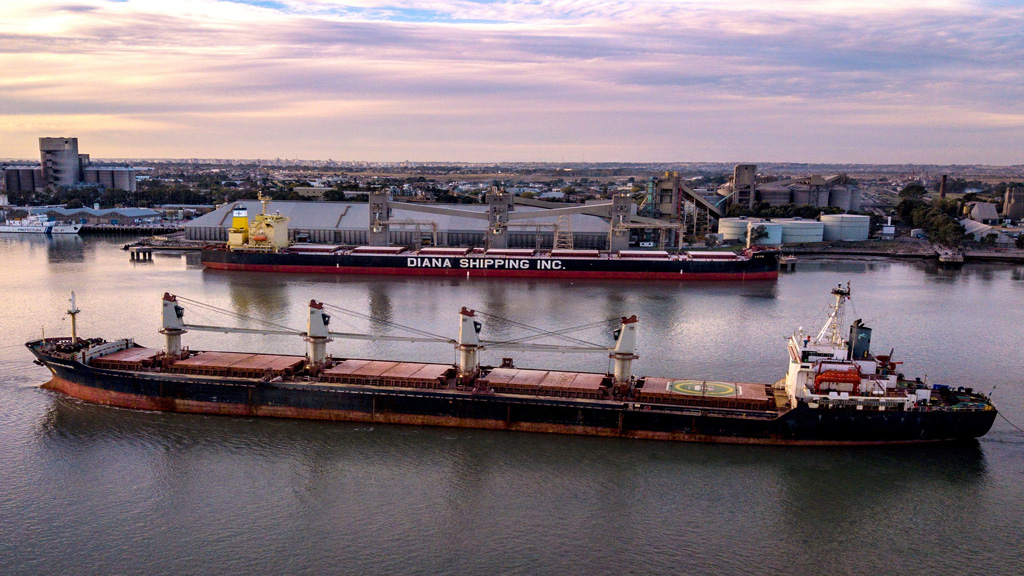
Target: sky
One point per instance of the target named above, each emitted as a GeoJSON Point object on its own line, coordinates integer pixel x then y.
{"type": "Point", "coordinates": [860, 81]}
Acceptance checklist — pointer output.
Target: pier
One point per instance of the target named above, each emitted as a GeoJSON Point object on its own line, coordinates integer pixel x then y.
{"type": "Point", "coordinates": [140, 254]}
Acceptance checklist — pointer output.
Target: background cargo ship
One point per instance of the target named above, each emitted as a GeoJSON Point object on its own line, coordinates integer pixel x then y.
{"type": "Point", "coordinates": [263, 245]}
{"type": "Point", "coordinates": [835, 390]}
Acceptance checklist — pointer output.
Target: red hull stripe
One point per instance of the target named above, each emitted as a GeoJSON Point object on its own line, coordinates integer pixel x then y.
{"type": "Point", "coordinates": [125, 400]}
{"type": "Point", "coordinates": [478, 273]}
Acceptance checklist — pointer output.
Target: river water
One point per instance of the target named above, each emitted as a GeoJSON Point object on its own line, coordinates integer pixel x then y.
{"type": "Point", "coordinates": [93, 490]}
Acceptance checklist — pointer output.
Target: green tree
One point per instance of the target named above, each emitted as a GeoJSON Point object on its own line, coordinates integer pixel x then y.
{"type": "Point", "coordinates": [757, 234]}
{"type": "Point", "coordinates": [335, 194]}
{"type": "Point", "coordinates": [913, 191]}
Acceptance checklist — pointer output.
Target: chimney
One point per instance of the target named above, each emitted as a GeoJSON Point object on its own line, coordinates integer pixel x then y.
{"type": "Point", "coordinates": [942, 188]}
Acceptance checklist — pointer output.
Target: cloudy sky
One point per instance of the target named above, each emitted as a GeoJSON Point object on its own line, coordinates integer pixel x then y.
{"type": "Point", "coordinates": [921, 81]}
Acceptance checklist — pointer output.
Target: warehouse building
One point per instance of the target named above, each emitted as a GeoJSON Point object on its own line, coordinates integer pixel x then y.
{"type": "Point", "coordinates": [348, 223]}
{"type": "Point", "coordinates": [104, 216]}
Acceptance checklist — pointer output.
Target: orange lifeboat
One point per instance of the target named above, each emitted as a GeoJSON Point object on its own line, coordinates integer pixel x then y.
{"type": "Point", "coordinates": [851, 376]}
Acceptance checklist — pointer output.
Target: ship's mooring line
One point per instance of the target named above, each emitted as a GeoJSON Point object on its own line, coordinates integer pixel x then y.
{"type": "Point", "coordinates": [386, 322]}
{"type": "Point", "coordinates": [211, 308]}
{"type": "Point", "coordinates": [1019, 429]}
{"type": "Point", "coordinates": [541, 332]}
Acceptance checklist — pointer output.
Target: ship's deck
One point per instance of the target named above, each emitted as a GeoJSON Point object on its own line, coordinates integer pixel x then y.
{"type": "Point", "coordinates": [706, 392]}
{"type": "Point", "coordinates": [238, 364]}
{"type": "Point", "coordinates": [546, 382]}
{"type": "Point", "coordinates": [421, 375]}
{"type": "Point", "coordinates": [388, 373]}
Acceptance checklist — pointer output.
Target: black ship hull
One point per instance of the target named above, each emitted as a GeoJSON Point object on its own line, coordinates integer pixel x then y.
{"type": "Point", "coordinates": [463, 408]}
{"type": "Point", "coordinates": [761, 265]}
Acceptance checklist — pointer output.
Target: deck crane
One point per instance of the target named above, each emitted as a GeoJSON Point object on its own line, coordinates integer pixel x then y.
{"type": "Point", "coordinates": [468, 344]}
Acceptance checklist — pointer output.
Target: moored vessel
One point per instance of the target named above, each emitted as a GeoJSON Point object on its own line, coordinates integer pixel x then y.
{"type": "Point", "coordinates": [262, 245]}
{"type": "Point", "coordinates": [834, 392]}
{"type": "Point", "coordinates": [38, 224]}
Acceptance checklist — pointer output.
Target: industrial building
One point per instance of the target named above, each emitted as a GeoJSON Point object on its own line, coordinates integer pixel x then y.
{"type": "Point", "coordinates": [1013, 203]}
{"type": "Point", "coordinates": [61, 164]}
{"type": "Point", "coordinates": [102, 216]}
{"type": "Point", "coordinates": [815, 190]}
{"type": "Point", "coordinates": [349, 223]}
{"type": "Point", "coordinates": [984, 212]}
{"type": "Point", "coordinates": [23, 178]}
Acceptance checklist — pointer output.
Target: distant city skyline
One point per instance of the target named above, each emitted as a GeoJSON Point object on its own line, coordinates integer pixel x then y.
{"type": "Point", "coordinates": [923, 82]}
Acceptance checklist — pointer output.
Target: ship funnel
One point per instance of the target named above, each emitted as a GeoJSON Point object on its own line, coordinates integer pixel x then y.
{"type": "Point", "coordinates": [625, 349]}
{"type": "Point", "coordinates": [860, 340]}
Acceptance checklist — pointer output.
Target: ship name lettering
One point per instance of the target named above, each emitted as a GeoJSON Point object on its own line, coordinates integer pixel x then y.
{"type": "Point", "coordinates": [494, 263]}
{"type": "Point", "coordinates": [429, 262]}
{"type": "Point", "coordinates": [549, 265]}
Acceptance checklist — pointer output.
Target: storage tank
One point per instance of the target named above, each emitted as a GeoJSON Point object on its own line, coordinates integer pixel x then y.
{"type": "Point", "coordinates": [774, 230]}
{"type": "Point", "coordinates": [800, 231]}
{"type": "Point", "coordinates": [846, 227]}
{"type": "Point", "coordinates": [735, 229]}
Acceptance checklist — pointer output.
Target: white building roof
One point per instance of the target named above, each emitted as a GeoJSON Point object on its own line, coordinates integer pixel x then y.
{"type": "Point", "coordinates": [355, 216]}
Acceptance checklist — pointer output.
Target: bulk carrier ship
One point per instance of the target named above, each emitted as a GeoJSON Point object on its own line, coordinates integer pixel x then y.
{"type": "Point", "coordinates": [835, 392]}
{"type": "Point", "coordinates": [263, 246]}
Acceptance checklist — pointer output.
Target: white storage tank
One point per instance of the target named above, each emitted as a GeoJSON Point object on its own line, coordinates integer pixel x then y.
{"type": "Point", "coordinates": [774, 230]}
{"type": "Point", "coordinates": [735, 229]}
{"type": "Point", "coordinates": [800, 231]}
{"type": "Point", "coordinates": [846, 227]}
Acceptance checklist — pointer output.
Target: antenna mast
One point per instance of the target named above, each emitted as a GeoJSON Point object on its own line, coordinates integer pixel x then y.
{"type": "Point", "coordinates": [831, 329]}
{"type": "Point", "coordinates": [73, 311]}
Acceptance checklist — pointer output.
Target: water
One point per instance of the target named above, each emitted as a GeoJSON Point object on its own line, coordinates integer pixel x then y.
{"type": "Point", "coordinates": [92, 490]}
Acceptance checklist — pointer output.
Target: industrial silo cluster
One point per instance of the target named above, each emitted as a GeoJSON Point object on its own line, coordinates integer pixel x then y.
{"type": "Point", "coordinates": [785, 231]}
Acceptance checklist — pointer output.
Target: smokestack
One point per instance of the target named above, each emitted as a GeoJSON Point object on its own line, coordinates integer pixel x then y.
{"type": "Point", "coordinates": [942, 188]}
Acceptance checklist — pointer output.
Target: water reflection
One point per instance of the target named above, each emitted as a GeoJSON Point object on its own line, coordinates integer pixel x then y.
{"type": "Point", "coordinates": [381, 308]}
{"type": "Point", "coordinates": [852, 265]}
{"type": "Point", "coordinates": [59, 248]}
{"type": "Point", "coordinates": [264, 296]}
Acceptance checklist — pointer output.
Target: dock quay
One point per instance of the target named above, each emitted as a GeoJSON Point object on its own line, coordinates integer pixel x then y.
{"type": "Point", "coordinates": [912, 251]}
{"type": "Point", "coordinates": [174, 242]}
{"type": "Point", "coordinates": [128, 229]}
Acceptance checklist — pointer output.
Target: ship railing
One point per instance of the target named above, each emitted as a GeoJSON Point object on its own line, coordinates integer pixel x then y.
{"type": "Point", "coordinates": [871, 404]}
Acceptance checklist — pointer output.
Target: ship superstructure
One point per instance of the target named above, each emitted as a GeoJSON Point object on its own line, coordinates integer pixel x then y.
{"type": "Point", "coordinates": [39, 224]}
{"type": "Point", "coordinates": [827, 370]}
{"type": "Point", "coordinates": [835, 391]}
